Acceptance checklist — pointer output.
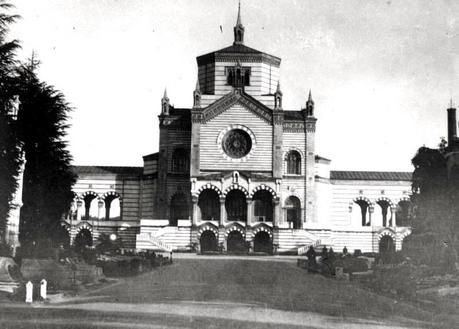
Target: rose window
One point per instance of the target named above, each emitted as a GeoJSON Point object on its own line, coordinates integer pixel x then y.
{"type": "Point", "coordinates": [237, 143]}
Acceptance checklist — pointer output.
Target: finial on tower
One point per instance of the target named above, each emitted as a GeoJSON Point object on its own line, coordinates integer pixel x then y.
{"type": "Point", "coordinates": [451, 103]}
{"type": "Point", "coordinates": [197, 95]}
{"type": "Point", "coordinates": [165, 103]}
{"type": "Point", "coordinates": [278, 97]}
{"type": "Point", "coordinates": [310, 105]}
{"type": "Point", "coordinates": [239, 28]}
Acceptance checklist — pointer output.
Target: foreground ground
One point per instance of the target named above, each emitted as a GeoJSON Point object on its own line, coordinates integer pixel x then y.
{"type": "Point", "coordinates": [217, 292]}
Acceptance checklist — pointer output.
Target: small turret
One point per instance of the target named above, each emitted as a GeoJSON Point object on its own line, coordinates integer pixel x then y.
{"type": "Point", "coordinates": [165, 104]}
{"type": "Point", "coordinates": [197, 96]}
{"type": "Point", "coordinates": [278, 97]}
{"type": "Point", "coordinates": [239, 29]}
{"type": "Point", "coordinates": [310, 105]}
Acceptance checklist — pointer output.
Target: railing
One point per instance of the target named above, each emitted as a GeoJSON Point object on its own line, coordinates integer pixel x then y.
{"type": "Point", "coordinates": [160, 244]}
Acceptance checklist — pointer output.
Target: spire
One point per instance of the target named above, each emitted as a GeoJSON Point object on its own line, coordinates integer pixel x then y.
{"type": "Point", "coordinates": [197, 95]}
{"type": "Point", "coordinates": [278, 97]}
{"type": "Point", "coordinates": [451, 103]}
{"type": "Point", "coordinates": [310, 105]}
{"type": "Point", "coordinates": [238, 22]}
{"type": "Point", "coordinates": [239, 28]}
{"type": "Point", "coordinates": [165, 103]}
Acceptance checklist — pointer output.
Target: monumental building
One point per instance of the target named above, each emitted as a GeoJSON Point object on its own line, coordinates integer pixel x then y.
{"type": "Point", "coordinates": [238, 171]}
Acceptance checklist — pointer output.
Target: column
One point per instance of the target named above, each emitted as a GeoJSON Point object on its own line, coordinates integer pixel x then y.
{"type": "Point", "coordinates": [100, 209]}
{"type": "Point", "coordinates": [277, 210]}
{"type": "Point", "coordinates": [393, 219]}
{"type": "Point", "coordinates": [222, 212]}
{"type": "Point", "coordinates": [303, 217]}
{"type": "Point", "coordinates": [194, 215]}
{"type": "Point", "coordinates": [249, 211]}
{"type": "Point", "coordinates": [78, 210]}
{"type": "Point", "coordinates": [368, 222]}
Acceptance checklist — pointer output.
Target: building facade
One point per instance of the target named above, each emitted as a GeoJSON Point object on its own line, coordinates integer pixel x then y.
{"type": "Point", "coordinates": [237, 171]}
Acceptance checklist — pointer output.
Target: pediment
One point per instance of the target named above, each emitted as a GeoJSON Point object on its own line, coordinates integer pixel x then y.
{"type": "Point", "coordinates": [237, 97]}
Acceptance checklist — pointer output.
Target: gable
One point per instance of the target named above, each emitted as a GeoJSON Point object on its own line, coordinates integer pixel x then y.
{"type": "Point", "coordinates": [237, 97]}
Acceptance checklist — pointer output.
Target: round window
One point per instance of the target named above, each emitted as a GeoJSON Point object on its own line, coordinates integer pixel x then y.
{"type": "Point", "coordinates": [237, 143]}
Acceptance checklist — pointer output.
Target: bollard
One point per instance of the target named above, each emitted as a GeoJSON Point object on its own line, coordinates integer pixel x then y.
{"type": "Point", "coordinates": [29, 292]}
{"type": "Point", "coordinates": [43, 285]}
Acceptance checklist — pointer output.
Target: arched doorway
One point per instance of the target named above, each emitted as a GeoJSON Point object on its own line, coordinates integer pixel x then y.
{"type": "Point", "coordinates": [235, 242]}
{"type": "Point", "coordinates": [263, 206]}
{"type": "Point", "coordinates": [386, 245]}
{"type": "Point", "coordinates": [236, 206]}
{"type": "Point", "coordinates": [208, 241]}
{"type": "Point", "coordinates": [83, 239]}
{"type": "Point", "coordinates": [178, 209]}
{"type": "Point", "coordinates": [293, 210]}
{"type": "Point", "coordinates": [209, 205]}
{"type": "Point", "coordinates": [262, 242]}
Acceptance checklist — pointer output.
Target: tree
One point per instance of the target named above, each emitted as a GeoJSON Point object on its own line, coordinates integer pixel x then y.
{"type": "Point", "coordinates": [10, 150]}
{"type": "Point", "coordinates": [435, 200]}
{"type": "Point", "coordinates": [48, 177]}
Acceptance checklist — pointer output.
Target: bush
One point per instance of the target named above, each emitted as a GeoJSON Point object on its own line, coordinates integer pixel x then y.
{"type": "Point", "coordinates": [352, 264]}
{"type": "Point", "coordinates": [5, 250]}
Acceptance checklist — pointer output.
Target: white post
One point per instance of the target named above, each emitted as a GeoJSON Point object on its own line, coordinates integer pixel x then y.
{"type": "Point", "coordinates": [29, 291]}
{"type": "Point", "coordinates": [43, 285]}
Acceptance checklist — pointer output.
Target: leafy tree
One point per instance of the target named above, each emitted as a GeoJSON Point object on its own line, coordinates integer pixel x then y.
{"type": "Point", "coordinates": [48, 177]}
{"type": "Point", "coordinates": [10, 151]}
{"type": "Point", "coordinates": [435, 201]}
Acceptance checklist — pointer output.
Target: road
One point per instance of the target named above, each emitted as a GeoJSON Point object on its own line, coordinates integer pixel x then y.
{"type": "Point", "coordinates": [225, 292]}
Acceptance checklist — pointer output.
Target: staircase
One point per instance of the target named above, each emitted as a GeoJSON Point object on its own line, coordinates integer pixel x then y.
{"type": "Point", "coordinates": [151, 241]}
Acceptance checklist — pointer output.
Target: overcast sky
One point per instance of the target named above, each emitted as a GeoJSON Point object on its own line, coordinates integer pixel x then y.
{"type": "Point", "coordinates": [381, 72]}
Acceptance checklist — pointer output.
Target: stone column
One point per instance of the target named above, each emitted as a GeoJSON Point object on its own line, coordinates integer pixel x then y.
{"type": "Point", "coordinates": [393, 218]}
{"type": "Point", "coordinates": [371, 209]}
{"type": "Point", "coordinates": [222, 212]}
{"type": "Point", "coordinates": [277, 210]}
{"type": "Point", "coordinates": [100, 209]}
{"type": "Point", "coordinates": [78, 209]}
{"type": "Point", "coordinates": [303, 218]}
{"type": "Point", "coordinates": [194, 215]}
{"type": "Point", "coordinates": [249, 211]}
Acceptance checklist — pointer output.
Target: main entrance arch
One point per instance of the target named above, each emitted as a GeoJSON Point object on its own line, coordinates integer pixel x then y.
{"type": "Point", "coordinates": [262, 242]}
{"type": "Point", "coordinates": [386, 245]}
{"type": "Point", "coordinates": [208, 241]}
{"type": "Point", "coordinates": [235, 242]}
{"type": "Point", "coordinates": [236, 206]}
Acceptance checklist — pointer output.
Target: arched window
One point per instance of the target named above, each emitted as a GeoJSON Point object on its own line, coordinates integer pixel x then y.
{"type": "Point", "coordinates": [383, 208]}
{"type": "Point", "coordinates": [403, 213]}
{"type": "Point", "coordinates": [180, 161]}
{"type": "Point", "coordinates": [112, 207]}
{"type": "Point", "coordinates": [236, 206]}
{"type": "Point", "coordinates": [209, 205]}
{"type": "Point", "coordinates": [263, 206]}
{"type": "Point", "coordinates": [364, 210]}
{"type": "Point", "coordinates": [293, 160]}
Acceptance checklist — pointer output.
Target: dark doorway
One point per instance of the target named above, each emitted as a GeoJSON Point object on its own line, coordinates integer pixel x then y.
{"type": "Point", "coordinates": [178, 209]}
{"type": "Point", "coordinates": [236, 206]}
{"type": "Point", "coordinates": [83, 239]}
{"type": "Point", "coordinates": [235, 242]}
{"type": "Point", "coordinates": [386, 245]}
{"type": "Point", "coordinates": [262, 243]}
{"type": "Point", "coordinates": [208, 241]}
{"type": "Point", "coordinates": [263, 206]}
{"type": "Point", "coordinates": [293, 208]}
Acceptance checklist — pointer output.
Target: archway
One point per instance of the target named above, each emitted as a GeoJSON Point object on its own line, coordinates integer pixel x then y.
{"type": "Point", "coordinates": [383, 212]}
{"type": "Point", "coordinates": [178, 209]}
{"type": "Point", "coordinates": [293, 210]}
{"type": "Point", "coordinates": [90, 207]}
{"type": "Point", "coordinates": [236, 206]}
{"type": "Point", "coordinates": [235, 242]}
{"type": "Point", "coordinates": [361, 213]}
{"type": "Point", "coordinates": [209, 205]}
{"type": "Point", "coordinates": [208, 241]}
{"type": "Point", "coordinates": [386, 245]}
{"type": "Point", "coordinates": [403, 213]}
{"type": "Point", "coordinates": [262, 242]}
{"type": "Point", "coordinates": [112, 207]}
{"type": "Point", "coordinates": [263, 206]}
{"type": "Point", "coordinates": [83, 239]}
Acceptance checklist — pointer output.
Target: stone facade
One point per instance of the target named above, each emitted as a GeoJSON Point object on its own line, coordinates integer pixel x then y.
{"type": "Point", "coordinates": [237, 171]}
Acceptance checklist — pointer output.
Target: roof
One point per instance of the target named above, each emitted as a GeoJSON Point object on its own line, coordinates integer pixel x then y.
{"type": "Point", "coordinates": [98, 170]}
{"type": "Point", "coordinates": [237, 49]}
{"type": "Point", "coordinates": [371, 175]}
{"type": "Point", "coordinates": [152, 156]}
{"type": "Point", "coordinates": [293, 115]}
